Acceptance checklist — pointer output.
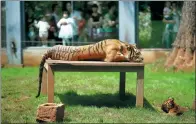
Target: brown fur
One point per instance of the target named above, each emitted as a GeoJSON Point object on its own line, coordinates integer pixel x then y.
{"type": "Point", "coordinates": [170, 107]}
{"type": "Point", "coordinates": [110, 50]}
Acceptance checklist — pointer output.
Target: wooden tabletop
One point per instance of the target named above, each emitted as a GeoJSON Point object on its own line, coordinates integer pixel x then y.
{"type": "Point", "coordinates": [92, 63]}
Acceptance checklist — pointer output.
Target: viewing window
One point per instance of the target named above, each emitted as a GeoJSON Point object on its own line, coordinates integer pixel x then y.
{"type": "Point", "coordinates": [154, 29]}
{"type": "Point", "coordinates": [70, 22]}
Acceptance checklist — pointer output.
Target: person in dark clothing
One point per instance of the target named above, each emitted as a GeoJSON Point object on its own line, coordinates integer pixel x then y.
{"type": "Point", "coordinates": [53, 31]}
{"type": "Point", "coordinates": [95, 22]}
{"type": "Point", "coordinates": [95, 18]}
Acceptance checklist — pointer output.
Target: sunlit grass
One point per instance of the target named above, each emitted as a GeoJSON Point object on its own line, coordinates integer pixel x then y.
{"type": "Point", "coordinates": [93, 97]}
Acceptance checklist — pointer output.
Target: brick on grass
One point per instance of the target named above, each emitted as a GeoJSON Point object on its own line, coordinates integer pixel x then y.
{"type": "Point", "coordinates": [50, 112]}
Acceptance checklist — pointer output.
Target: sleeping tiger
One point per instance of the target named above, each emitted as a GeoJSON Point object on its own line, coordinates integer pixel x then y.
{"type": "Point", "coordinates": [170, 107]}
{"type": "Point", "coordinates": [110, 50]}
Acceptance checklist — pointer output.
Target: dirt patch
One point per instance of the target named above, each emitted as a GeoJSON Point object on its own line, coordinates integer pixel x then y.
{"type": "Point", "coordinates": [22, 98]}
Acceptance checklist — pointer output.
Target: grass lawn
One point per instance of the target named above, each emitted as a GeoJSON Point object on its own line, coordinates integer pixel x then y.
{"type": "Point", "coordinates": [155, 40]}
{"type": "Point", "coordinates": [93, 97]}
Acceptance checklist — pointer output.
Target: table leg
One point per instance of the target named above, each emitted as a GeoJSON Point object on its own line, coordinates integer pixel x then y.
{"type": "Point", "coordinates": [122, 85]}
{"type": "Point", "coordinates": [50, 85]}
{"type": "Point", "coordinates": [140, 89]}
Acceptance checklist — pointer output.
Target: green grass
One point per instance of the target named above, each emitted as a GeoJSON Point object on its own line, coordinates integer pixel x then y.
{"type": "Point", "coordinates": [156, 36]}
{"type": "Point", "coordinates": [93, 97]}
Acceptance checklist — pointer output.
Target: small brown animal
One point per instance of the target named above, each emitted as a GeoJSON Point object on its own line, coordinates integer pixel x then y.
{"type": "Point", "coordinates": [170, 107]}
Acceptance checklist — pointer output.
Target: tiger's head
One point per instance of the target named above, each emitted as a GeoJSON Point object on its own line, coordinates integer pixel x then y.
{"type": "Point", "coordinates": [168, 104]}
{"type": "Point", "coordinates": [132, 53]}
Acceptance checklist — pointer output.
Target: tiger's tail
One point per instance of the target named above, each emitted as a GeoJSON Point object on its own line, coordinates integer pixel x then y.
{"type": "Point", "coordinates": [45, 56]}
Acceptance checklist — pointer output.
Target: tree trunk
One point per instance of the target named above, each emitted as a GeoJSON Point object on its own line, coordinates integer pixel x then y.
{"type": "Point", "coordinates": [183, 54]}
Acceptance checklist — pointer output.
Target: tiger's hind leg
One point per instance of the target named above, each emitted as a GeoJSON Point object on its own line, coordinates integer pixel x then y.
{"type": "Point", "coordinates": [177, 111]}
{"type": "Point", "coordinates": [172, 113]}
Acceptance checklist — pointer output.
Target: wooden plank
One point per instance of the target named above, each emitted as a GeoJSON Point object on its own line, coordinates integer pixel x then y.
{"type": "Point", "coordinates": [50, 80]}
{"type": "Point", "coordinates": [122, 85]}
{"type": "Point", "coordinates": [74, 68]}
{"type": "Point", "coordinates": [44, 82]}
{"type": "Point", "coordinates": [92, 63]}
{"type": "Point", "coordinates": [140, 89]}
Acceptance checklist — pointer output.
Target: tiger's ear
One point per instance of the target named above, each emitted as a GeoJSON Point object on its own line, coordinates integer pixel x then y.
{"type": "Point", "coordinates": [171, 98]}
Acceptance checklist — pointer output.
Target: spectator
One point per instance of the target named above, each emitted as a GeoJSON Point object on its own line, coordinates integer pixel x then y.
{"type": "Point", "coordinates": [54, 12]}
{"type": "Point", "coordinates": [167, 13]}
{"type": "Point", "coordinates": [169, 22]}
{"type": "Point", "coordinates": [32, 34]}
{"type": "Point", "coordinates": [54, 18]}
{"type": "Point", "coordinates": [77, 17]}
{"type": "Point", "coordinates": [110, 22]}
{"type": "Point", "coordinates": [43, 30]}
{"type": "Point", "coordinates": [29, 28]}
{"type": "Point", "coordinates": [167, 10]}
{"type": "Point", "coordinates": [82, 28]}
{"type": "Point", "coordinates": [98, 3]}
{"type": "Point", "coordinates": [95, 22]}
{"type": "Point", "coordinates": [66, 28]}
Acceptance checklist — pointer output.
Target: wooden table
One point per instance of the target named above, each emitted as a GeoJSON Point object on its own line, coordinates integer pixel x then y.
{"type": "Point", "coordinates": [94, 66]}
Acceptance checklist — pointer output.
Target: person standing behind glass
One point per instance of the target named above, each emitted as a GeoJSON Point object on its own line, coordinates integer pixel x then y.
{"type": "Point", "coordinates": [66, 28]}
{"type": "Point", "coordinates": [168, 15]}
{"type": "Point", "coordinates": [76, 15]}
{"type": "Point", "coordinates": [43, 27]}
{"type": "Point", "coordinates": [95, 21]}
{"type": "Point", "coordinates": [110, 22]}
{"type": "Point", "coordinates": [82, 28]}
{"type": "Point", "coordinates": [169, 22]}
{"type": "Point", "coordinates": [54, 18]}
{"type": "Point", "coordinates": [176, 18]}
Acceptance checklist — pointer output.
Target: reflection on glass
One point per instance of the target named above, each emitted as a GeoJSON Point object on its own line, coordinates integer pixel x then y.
{"type": "Point", "coordinates": [99, 20]}
{"type": "Point", "coordinates": [70, 22]}
{"type": "Point", "coordinates": [158, 23]}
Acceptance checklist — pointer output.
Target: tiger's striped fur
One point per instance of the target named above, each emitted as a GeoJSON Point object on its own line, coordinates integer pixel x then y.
{"type": "Point", "coordinates": [170, 107]}
{"type": "Point", "coordinates": [109, 50]}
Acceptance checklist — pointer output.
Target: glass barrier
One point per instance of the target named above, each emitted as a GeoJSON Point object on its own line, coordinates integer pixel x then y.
{"type": "Point", "coordinates": [155, 27]}
{"type": "Point", "coordinates": [84, 22]}
{"type": "Point", "coordinates": [70, 22]}
{"type": "Point", "coordinates": [3, 25]}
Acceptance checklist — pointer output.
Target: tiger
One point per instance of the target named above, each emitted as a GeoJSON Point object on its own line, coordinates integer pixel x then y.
{"type": "Point", "coordinates": [109, 50]}
{"type": "Point", "coordinates": [171, 108]}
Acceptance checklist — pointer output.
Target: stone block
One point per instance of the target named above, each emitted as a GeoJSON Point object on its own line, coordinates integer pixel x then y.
{"type": "Point", "coordinates": [50, 112]}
